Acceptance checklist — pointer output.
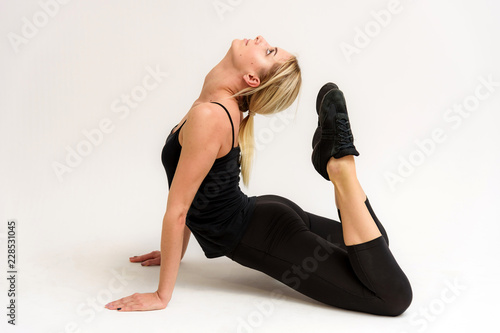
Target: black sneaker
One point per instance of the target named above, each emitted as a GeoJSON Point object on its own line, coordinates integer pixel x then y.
{"type": "Point", "coordinates": [319, 99]}
{"type": "Point", "coordinates": [336, 138]}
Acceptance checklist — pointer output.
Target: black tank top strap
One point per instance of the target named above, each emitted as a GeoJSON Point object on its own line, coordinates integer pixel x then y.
{"type": "Point", "coordinates": [172, 131]}
{"type": "Point", "coordinates": [232, 126]}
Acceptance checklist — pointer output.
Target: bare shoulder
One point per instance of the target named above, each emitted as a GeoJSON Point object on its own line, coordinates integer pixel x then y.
{"type": "Point", "coordinates": [207, 120]}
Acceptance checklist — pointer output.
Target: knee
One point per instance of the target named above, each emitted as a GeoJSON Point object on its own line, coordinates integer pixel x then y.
{"type": "Point", "coordinates": [399, 299]}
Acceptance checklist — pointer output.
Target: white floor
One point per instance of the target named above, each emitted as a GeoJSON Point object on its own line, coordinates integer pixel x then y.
{"type": "Point", "coordinates": [64, 290]}
{"type": "Point", "coordinates": [423, 97]}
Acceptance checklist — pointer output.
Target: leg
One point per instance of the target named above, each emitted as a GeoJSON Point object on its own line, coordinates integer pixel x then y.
{"type": "Point", "coordinates": [363, 277]}
{"type": "Point", "coordinates": [358, 224]}
{"type": "Point", "coordinates": [324, 227]}
{"type": "Point", "coordinates": [332, 157]}
{"type": "Point", "coordinates": [331, 230]}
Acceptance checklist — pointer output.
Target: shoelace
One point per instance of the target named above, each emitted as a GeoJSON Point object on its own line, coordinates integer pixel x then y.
{"type": "Point", "coordinates": [344, 134]}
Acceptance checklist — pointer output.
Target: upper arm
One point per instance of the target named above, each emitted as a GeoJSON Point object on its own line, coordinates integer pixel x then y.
{"type": "Point", "coordinates": [202, 139]}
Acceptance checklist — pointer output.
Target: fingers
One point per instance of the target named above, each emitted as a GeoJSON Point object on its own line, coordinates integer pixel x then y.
{"type": "Point", "coordinates": [135, 304]}
{"type": "Point", "coordinates": [142, 257]}
{"type": "Point", "coordinates": [151, 255]}
{"type": "Point", "coordinates": [138, 302]}
{"type": "Point", "coordinates": [151, 262]}
{"type": "Point", "coordinates": [121, 304]}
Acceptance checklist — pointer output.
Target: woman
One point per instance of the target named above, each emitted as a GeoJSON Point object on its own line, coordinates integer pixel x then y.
{"type": "Point", "coordinates": [347, 265]}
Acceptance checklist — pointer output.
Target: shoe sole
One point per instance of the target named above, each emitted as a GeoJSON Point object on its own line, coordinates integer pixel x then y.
{"type": "Point", "coordinates": [322, 93]}
{"type": "Point", "coordinates": [336, 96]}
{"type": "Point", "coordinates": [327, 87]}
{"type": "Point", "coordinates": [320, 156]}
{"type": "Point", "coordinates": [316, 136]}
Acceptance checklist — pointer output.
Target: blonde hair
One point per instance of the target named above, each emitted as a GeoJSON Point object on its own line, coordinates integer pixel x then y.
{"type": "Point", "coordinates": [277, 91]}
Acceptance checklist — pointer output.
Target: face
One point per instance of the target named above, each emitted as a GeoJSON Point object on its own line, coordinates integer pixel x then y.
{"type": "Point", "coordinates": [255, 57]}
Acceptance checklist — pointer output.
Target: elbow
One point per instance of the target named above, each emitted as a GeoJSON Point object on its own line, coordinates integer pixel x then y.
{"type": "Point", "coordinates": [176, 217]}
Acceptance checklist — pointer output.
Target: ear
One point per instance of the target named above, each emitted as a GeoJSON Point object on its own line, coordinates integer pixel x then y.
{"type": "Point", "coordinates": [252, 80]}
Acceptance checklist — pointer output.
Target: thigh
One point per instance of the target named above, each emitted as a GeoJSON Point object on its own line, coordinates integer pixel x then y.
{"type": "Point", "coordinates": [327, 228]}
{"type": "Point", "coordinates": [324, 227]}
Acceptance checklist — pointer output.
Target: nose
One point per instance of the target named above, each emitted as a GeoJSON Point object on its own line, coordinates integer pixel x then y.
{"type": "Point", "coordinates": [259, 39]}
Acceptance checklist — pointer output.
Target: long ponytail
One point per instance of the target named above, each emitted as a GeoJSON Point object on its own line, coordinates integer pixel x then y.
{"type": "Point", "coordinates": [277, 91]}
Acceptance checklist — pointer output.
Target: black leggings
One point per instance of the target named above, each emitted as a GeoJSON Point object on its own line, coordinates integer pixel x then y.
{"type": "Point", "coordinates": [307, 253]}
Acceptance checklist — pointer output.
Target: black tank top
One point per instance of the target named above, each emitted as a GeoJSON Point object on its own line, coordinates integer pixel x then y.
{"type": "Point", "coordinates": [220, 211]}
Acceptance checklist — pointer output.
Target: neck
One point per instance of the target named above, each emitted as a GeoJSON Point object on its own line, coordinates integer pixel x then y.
{"type": "Point", "coordinates": [221, 83]}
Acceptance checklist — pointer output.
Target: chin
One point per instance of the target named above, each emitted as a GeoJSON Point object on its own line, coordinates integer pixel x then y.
{"type": "Point", "coordinates": [235, 42]}
{"type": "Point", "coordinates": [235, 46]}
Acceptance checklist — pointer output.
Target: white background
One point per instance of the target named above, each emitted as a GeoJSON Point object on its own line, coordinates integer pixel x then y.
{"type": "Point", "coordinates": [75, 234]}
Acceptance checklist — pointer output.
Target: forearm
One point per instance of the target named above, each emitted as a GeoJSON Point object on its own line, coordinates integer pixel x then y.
{"type": "Point", "coordinates": [171, 252]}
{"type": "Point", "coordinates": [187, 235]}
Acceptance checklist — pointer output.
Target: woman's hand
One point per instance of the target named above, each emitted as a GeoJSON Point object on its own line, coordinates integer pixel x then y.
{"type": "Point", "coordinates": [139, 302]}
{"type": "Point", "coordinates": [150, 259]}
